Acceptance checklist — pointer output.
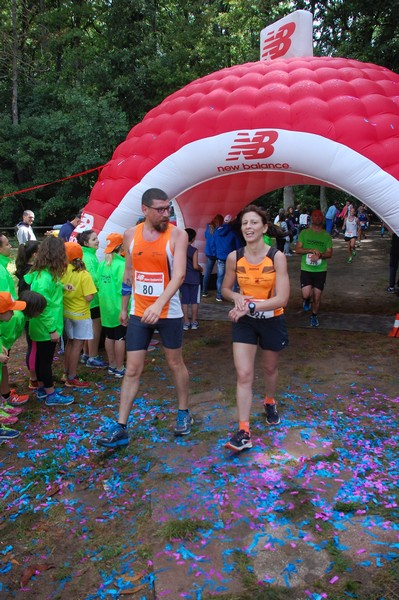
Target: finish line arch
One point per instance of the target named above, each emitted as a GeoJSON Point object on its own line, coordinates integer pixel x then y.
{"type": "Point", "coordinates": [225, 139]}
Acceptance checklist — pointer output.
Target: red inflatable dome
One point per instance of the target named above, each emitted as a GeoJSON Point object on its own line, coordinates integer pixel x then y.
{"type": "Point", "coordinates": [229, 137]}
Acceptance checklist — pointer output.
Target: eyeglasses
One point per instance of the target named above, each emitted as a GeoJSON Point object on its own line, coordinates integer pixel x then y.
{"type": "Point", "coordinates": [162, 209]}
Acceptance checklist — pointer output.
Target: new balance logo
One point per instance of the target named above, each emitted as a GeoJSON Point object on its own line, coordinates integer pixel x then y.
{"type": "Point", "coordinates": [278, 43]}
{"type": "Point", "coordinates": [260, 146]}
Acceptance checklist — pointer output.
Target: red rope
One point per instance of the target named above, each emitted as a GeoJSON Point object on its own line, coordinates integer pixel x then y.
{"type": "Point", "coordinates": [36, 187]}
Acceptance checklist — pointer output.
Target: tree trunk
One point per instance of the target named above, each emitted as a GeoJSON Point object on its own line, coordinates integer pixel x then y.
{"type": "Point", "coordinates": [323, 200]}
{"type": "Point", "coordinates": [288, 197]}
{"type": "Point", "coordinates": [14, 99]}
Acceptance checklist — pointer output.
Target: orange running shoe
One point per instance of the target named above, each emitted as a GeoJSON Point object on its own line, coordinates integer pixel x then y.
{"type": "Point", "coordinates": [77, 383]}
{"type": "Point", "coordinates": [16, 400]}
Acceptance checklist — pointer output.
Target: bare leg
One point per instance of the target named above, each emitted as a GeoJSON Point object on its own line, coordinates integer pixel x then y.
{"type": "Point", "coordinates": [244, 359]}
{"type": "Point", "coordinates": [72, 357]}
{"type": "Point", "coordinates": [316, 300]}
{"type": "Point", "coordinates": [184, 308]}
{"type": "Point", "coordinates": [110, 350]}
{"type": "Point", "coordinates": [194, 312]}
{"type": "Point", "coordinates": [270, 371]}
{"type": "Point", "coordinates": [120, 353]}
{"type": "Point", "coordinates": [174, 358]}
{"type": "Point", "coordinates": [94, 343]}
{"type": "Point", "coordinates": [307, 292]}
{"type": "Point", "coordinates": [131, 382]}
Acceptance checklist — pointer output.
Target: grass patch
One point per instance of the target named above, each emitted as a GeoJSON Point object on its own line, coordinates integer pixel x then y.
{"type": "Point", "coordinates": [341, 563]}
{"type": "Point", "coordinates": [245, 569]}
{"type": "Point", "coordinates": [184, 529]}
{"type": "Point", "coordinates": [348, 507]}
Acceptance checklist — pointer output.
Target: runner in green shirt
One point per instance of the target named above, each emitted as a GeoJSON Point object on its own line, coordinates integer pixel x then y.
{"type": "Point", "coordinates": [315, 246]}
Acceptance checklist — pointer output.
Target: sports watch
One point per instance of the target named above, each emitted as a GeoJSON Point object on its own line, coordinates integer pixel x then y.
{"type": "Point", "coordinates": [252, 308]}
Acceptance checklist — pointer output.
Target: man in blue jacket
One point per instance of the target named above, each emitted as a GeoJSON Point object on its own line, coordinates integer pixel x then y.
{"type": "Point", "coordinates": [226, 241]}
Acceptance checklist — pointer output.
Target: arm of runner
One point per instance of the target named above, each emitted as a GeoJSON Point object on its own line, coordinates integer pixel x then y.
{"type": "Point", "coordinates": [282, 287]}
{"type": "Point", "coordinates": [299, 249]}
{"type": "Point", "coordinates": [127, 277]}
{"type": "Point", "coordinates": [240, 301]}
{"type": "Point", "coordinates": [179, 243]}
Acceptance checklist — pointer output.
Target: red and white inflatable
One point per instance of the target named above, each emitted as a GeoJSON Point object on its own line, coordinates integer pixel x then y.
{"type": "Point", "coordinates": [224, 140]}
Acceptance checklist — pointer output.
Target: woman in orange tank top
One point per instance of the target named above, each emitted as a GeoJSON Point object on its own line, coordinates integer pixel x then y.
{"type": "Point", "coordinates": [257, 316]}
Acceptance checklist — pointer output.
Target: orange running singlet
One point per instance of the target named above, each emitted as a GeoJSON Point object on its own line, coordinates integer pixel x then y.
{"type": "Point", "coordinates": [259, 282]}
{"type": "Point", "coordinates": [152, 269]}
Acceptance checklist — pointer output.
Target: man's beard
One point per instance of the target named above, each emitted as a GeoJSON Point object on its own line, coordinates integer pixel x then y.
{"type": "Point", "coordinates": [161, 227]}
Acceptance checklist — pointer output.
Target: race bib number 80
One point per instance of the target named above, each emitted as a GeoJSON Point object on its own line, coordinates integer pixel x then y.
{"type": "Point", "coordinates": [149, 284]}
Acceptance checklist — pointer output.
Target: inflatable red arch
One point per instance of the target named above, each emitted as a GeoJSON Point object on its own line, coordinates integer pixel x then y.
{"type": "Point", "coordinates": [225, 139]}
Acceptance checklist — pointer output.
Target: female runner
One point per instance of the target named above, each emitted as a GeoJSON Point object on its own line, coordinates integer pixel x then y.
{"type": "Point", "coordinates": [258, 318]}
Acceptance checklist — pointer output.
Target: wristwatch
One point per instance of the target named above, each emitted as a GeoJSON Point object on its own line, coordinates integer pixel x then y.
{"type": "Point", "coordinates": [252, 308]}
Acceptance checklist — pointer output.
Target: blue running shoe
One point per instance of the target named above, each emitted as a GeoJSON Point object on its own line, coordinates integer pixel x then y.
{"type": "Point", "coordinates": [116, 437]}
{"type": "Point", "coordinates": [96, 363]}
{"type": "Point", "coordinates": [56, 399]}
{"type": "Point", "coordinates": [119, 373]}
{"type": "Point", "coordinates": [314, 321]}
{"type": "Point", "coordinates": [307, 305]}
{"type": "Point", "coordinates": [184, 420]}
{"type": "Point", "coordinates": [41, 393]}
{"type": "Point", "coordinates": [6, 433]}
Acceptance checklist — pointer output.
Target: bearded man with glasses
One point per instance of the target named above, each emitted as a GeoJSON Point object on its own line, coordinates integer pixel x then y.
{"type": "Point", "coordinates": [155, 252]}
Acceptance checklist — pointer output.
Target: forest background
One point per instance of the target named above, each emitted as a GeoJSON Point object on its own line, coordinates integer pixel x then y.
{"type": "Point", "coordinates": [77, 75]}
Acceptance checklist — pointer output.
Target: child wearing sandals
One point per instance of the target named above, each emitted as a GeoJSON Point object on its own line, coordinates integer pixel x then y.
{"type": "Point", "coordinates": [79, 290]}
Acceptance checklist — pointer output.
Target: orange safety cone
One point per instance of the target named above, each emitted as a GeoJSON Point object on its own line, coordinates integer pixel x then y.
{"type": "Point", "coordinates": [395, 330]}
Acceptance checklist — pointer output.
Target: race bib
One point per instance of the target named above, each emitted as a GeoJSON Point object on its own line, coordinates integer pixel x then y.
{"type": "Point", "coordinates": [149, 284]}
{"type": "Point", "coordinates": [262, 314]}
{"type": "Point", "coordinates": [312, 263]}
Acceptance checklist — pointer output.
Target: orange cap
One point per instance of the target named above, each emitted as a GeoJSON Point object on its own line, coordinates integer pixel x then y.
{"type": "Point", "coordinates": [114, 240]}
{"type": "Point", "coordinates": [7, 303]}
{"type": "Point", "coordinates": [73, 250]}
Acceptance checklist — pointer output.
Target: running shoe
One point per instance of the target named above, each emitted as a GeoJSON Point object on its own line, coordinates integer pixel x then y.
{"type": "Point", "coordinates": [204, 294]}
{"type": "Point", "coordinates": [6, 419]}
{"type": "Point", "coordinates": [76, 383]}
{"type": "Point", "coordinates": [186, 326]}
{"type": "Point", "coordinates": [83, 358]}
{"type": "Point", "coordinates": [111, 370]}
{"type": "Point", "coordinates": [96, 363]}
{"type": "Point", "coordinates": [307, 305]}
{"type": "Point", "coordinates": [16, 400]}
{"type": "Point", "coordinates": [184, 420]}
{"type": "Point", "coordinates": [14, 411]}
{"type": "Point", "coordinates": [390, 289]}
{"type": "Point", "coordinates": [116, 437]}
{"type": "Point", "coordinates": [8, 434]}
{"type": "Point", "coordinates": [33, 385]}
{"type": "Point", "coordinates": [119, 373]}
{"type": "Point", "coordinates": [272, 416]}
{"type": "Point", "coordinates": [41, 393]}
{"type": "Point", "coordinates": [56, 399]}
{"type": "Point", "coordinates": [353, 252]}
{"type": "Point", "coordinates": [349, 259]}
{"type": "Point", "coordinates": [241, 440]}
{"type": "Point", "coordinates": [314, 321]}
{"type": "Point", "coordinates": [194, 324]}
{"type": "Point", "coordinates": [218, 299]}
